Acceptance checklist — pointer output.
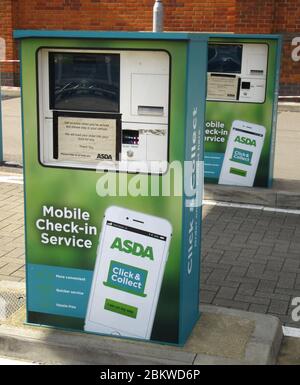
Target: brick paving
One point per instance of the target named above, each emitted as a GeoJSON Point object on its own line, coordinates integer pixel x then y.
{"type": "Point", "coordinates": [250, 258]}
{"type": "Point", "coordinates": [12, 253]}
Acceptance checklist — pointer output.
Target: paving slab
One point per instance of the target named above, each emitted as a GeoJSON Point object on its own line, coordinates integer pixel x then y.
{"type": "Point", "coordinates": [245, 195]}
{"type": "Point", "coordinates": [284, 194]}
{"type": "Point", "coordinates": [221, 336]}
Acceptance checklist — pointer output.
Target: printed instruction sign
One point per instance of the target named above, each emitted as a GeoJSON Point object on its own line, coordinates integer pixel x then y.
{"type": "Point", "coordinates": [87, 139]}
{"type": "Point", "coordinates": [222, 87]}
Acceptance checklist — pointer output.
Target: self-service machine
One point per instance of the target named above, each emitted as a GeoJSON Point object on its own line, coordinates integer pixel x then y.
{"type": "Point", "coordinates": [127, 89]}
{"type": "Point", "coordinates": [242, 92]}
{"type": "Point", "coordinates": [113, 159]}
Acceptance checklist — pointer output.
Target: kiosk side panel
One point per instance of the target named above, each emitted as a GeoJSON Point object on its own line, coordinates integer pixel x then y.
{"type": "Point", "coordinates": [193, 187]}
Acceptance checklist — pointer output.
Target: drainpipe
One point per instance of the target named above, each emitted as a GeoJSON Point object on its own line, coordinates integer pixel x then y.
{"type": "Point", "coordinates": [158, 16]}
{"type": "Point", "coordinates": [2, 58]}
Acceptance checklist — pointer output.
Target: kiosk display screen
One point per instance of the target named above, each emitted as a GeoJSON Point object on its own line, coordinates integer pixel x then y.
{"type": "Point", "coordinates": [225, 58]}
{"type": "Point", "coordinates": [84, 81]}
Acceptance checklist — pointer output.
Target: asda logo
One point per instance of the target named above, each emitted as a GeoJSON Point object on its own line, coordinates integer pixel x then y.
{"type": "Point", "coordinates": [133, 248]}
{"type": "Point", "coordinates": [244, 140]}
{"type": "Point", "coordinates": [104, 156]}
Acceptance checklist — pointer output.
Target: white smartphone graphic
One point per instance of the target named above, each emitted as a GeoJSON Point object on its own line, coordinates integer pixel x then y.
{"type": "Point", "coordinates": [131, 258]}
{"type": "Point", "coordinates": [242, 154]}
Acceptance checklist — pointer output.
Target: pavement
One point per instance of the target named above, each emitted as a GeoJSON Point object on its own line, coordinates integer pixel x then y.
{"type": "Point", "coordinates": [221, 336]}
{"type": "Point", "coordinates": [284, 193]}
{"type": "Point", "coordinates": [11, 362]}
{"type": "Point", "coordinates": [289, 352]}
{"type": "Point", "coordinates": [251, 260]}
{"type": "Point", "coordinates": [12, 256]}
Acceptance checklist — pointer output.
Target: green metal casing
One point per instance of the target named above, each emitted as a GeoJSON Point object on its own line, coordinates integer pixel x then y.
{"type": "Point", "coordinates": [178, 305]}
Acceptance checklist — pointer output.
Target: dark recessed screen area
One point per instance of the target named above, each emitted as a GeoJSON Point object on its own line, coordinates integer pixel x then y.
{"type": "Point", "coordinates": [225, 58]}
{"type": "Point", "coordinates": [84, 81]}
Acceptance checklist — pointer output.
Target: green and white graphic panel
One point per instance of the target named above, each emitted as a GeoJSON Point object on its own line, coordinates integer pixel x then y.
{"type": "Point", "coordinates": [107, 249]}
{"type": "Point", "coordinates": [242, 92]}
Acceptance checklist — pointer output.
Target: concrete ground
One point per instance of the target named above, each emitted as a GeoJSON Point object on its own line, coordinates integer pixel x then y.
{"type": "Point", "coordinates": [221, 336]}
{"type": "Point", "coordinates": [11, 362]}
{"type": "Point", "coordinates": [289, 352]}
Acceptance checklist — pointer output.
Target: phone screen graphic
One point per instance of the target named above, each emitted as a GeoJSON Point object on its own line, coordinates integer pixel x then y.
{"type": "Point", "coordinates": [242, 154]}
{"type": "Point", "coordinates": [127, 280]}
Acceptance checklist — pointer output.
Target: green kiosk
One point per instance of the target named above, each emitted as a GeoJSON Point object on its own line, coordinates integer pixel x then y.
{"type": "Point", "coordinates": [106, 118]}
{"type": "Point", "coordinates": [241, 110]}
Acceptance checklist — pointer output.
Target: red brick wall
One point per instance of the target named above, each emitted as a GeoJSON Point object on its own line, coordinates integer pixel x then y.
{"type": "Point", "coordinates": [239, 16]}
{"type": "Point", "coordinates": [194, 15]}
{"type": "Point", "coordinates": [254, 16]}
{"type": "Point", "coordinates": [287, 22]}
{"type": "Point", "coordinates": [85, 14]}
{"type": "Point", "coordinates": [9, 71]}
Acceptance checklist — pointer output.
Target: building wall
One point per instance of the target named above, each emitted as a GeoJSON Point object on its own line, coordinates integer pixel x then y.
{"type": "Point", "coordinates": [9, 72]}
{"type": "Point", "coordinates": [287, 22]}
{"type": "Point", "coordinates": [238, 16]}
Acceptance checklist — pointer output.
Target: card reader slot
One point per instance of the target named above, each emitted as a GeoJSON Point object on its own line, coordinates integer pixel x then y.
{"type": "Point", "coordinates": [55, 139]}
{"type": "Point", "coordinates": [151, 110]}
{"type": "Point", "coordinates": [256, 72]}
{"type": "Point", "coordinates": [238, 89]}
{"type": "Point", "coordinates": [130, 136]}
